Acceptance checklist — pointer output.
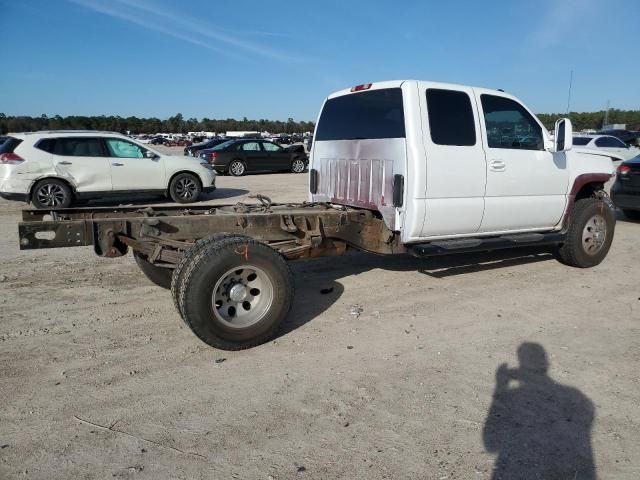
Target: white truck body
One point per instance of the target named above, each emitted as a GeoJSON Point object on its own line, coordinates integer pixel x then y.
{"type": "Point", "coordinates": [499, 174]}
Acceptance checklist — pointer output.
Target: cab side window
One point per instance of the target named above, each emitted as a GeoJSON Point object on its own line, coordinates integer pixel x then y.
{"type": "Point", "coordinates": [450, 117]}
{"type": "Point", "coordinates": [509, 125]}
{"type": "Point", "coordinates": [123, 149]}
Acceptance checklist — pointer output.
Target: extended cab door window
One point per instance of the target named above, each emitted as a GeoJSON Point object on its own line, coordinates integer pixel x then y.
{"type": "Point", "coordinates": [509, 125]}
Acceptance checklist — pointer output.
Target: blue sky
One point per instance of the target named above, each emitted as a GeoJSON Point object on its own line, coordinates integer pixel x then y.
{"type": "Point", "coordinates": [279, 59]}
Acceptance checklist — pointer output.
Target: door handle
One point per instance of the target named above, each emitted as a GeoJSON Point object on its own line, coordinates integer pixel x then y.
{"type": "Point", "coordinates": [118, 164]}
{"type": "Point", "coordinates": [65, 163]}
{"type": "Point", "coordinates": [497, 165]}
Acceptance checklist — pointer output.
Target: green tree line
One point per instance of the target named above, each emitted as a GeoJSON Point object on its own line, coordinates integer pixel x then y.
{"type": "Point", "coordinates": [135, 125]}
{"type": "Point", "coordinates": [177, 124]}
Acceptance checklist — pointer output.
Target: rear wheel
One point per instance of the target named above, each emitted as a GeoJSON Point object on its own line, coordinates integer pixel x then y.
{"type": "Point", "coordinates": [237, 168]}
{"type": "Point", "coordinates": [234, 292]}
{"type": "Point", "coordinates": [298, 166]}
{"type": "Point", "coordinates": [632, 214]}
{"type": "Point", "coordinates": [51, 193]}
{"type": "Point", "coordinates": [185, 188]}
{"type": "Point", "coordinates": [589, 234]}
{"type": "Point", "coordinates": [158, 275]}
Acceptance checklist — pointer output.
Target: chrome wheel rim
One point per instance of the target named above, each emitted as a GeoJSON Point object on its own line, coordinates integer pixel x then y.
{"type": "Point", "coordinates": [242, 296]}
{"type": "Point", "coordinates": [50, 195]}
{"type": "Point", "coordinates": [298, 166]}
{"type": "Point", "coordinates": [186, 188]}
{"type": "Point", "coordinates": [594, 234]}
{"type": "Point", "coordinates": [237, 168]}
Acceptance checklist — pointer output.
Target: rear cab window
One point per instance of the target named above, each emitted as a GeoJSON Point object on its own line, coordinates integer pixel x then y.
{"type": "Point", "coordinates": [372, 114]}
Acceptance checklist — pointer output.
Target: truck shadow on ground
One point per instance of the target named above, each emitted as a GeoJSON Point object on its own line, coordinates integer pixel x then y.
{"type": "Point", "coordinates": [317, 286]}
{"type": "Point", "coordinates": [539, 428]}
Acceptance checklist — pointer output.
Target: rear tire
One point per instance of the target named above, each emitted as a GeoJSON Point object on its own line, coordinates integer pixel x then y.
{"type": "Point", "coordinates": [237, 168]}
{"type": "Point", "coordinates": [51, 193]}
{"type": "Point", "coordinates": [298, 165]}
{"type": "Point", "coordinates": [235, 292]}
{"type": "Point", "coordinates": [632, 214]}
{"type": "Point", "coordinates": [158, 275]}
{"type": "Point", "coordinates": [185, 188]}
{"type": "Point", "coordinates": [589, 234]}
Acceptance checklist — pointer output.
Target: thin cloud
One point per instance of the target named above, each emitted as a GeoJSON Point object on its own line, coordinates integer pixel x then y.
{"type": "Point", "coordinates": [185, 28]}
{"type": "Point", "coordinates": [563, 20]}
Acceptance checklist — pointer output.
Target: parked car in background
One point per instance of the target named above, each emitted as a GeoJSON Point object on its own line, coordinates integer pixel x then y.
{"type": "Point", "coordinates": [309, 143]}
{"type": "Point", "coordinates": [192, 150]}
{"type": "Point", "coordinates": [56, 168]}
{"type": "Point", "coordinates": [625, 192]}
{"type": "Point", "coordinates": [157, 141]}
{"type": "Point", "coordinates": [605, 143]}
{"type": "Point", "coordinates": [281, 139]}
{"type": "Point", "coordinates": [238, 157]}
{"type": "Point", "coordinates": [629, 137]}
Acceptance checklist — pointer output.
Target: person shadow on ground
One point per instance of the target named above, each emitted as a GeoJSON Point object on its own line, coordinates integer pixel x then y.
{"type": "Point", "coordinates": [540, 429]}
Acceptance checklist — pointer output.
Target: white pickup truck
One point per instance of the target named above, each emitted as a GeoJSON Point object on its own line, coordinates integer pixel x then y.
{"type": "Point", "coordinates": [396, 167]}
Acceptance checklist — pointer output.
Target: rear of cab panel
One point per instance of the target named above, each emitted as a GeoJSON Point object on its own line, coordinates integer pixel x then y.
{"type": "Point", "coordinates": [354, 158]}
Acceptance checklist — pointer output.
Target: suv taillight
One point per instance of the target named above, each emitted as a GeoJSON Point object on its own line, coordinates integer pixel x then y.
{"type": "Point", "coordinates": [212, 157]}
{"type": "Point", "coordinates": [11, 159]}
{"type": "Point", "coordinates": [624, 169]}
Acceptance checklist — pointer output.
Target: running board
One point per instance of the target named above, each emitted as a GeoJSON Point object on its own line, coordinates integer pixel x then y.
{"type": "Point", "coordinates": [464, 245]}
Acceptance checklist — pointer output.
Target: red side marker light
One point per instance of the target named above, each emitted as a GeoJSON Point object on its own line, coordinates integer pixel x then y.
{"type": "Point", "coordinates": [359, 88]}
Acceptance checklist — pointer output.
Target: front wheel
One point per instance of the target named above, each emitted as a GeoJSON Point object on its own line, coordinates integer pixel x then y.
{"type": "Point", "coordinates": [298, 166]}
{"type": "Point", "coordinates": [589, 234]}
{"type": "Point", "coordinates": [185, 188]}
{"type": "Point", "coordinates": [234, 292]}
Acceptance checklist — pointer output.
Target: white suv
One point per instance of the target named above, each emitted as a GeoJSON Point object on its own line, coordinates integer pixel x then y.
{"type": "Point", "coordinates": [53, 169]}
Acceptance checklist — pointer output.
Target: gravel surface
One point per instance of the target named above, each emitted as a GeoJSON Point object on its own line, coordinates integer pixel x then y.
{"type": "Point", "coordinates": [388, 367]}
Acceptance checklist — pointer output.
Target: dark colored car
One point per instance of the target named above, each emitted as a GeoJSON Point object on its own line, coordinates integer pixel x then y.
{"type": "Point", "coordinates": [282, 139]}
{"type": "Point", "coordinates": [192, 150]}
{"type": "Point", "coordinates": [625, 192]}
{"type": "Point", "coordinates": [238, 157]}
{"type": "Point", "coordinates": [627, 136]}
{"type": "Point", "coordinates": [158, 141]}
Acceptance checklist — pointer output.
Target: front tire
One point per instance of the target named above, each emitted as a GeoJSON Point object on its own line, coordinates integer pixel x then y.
{"type": "Point", "coordinates": [234, 292]}
{"type": "Point", "coordinates": [51, 193]}
{"type": "Point", "coordinates": [185, 188]}
{"type": "Point", "coordinates": [589, 234]}
{"type": "Point", "coordinates": [237, 168]}
{"type": "Point", "coordinates": [158, 275]}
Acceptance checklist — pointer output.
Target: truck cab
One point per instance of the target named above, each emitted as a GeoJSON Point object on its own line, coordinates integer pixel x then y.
{"type": "Point", "coordinates": [446, 161]}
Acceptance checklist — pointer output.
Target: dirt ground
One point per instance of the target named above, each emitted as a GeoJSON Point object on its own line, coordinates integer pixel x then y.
{"type": "Point", "coordinates": [392, 374]}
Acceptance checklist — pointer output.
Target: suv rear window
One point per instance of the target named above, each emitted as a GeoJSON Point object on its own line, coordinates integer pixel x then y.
{"type": "Point", "coordinates": [581, 140]}
{"type": "Point", "coordinates": [361, 116]}
{"type": "Point", "coordinates": [8, 144]}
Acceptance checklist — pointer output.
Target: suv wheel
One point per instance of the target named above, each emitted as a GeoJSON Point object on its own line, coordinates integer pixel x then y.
{"type": "Point", "coordinates": [51, 193]}
{"type": "Point", "coordinates": [185, 188]}
{"type": "Point", "coordinates": [589, 234]}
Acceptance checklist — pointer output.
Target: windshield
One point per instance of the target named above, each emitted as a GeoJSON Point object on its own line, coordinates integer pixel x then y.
{"type": "Point", "coordinates": [224, 145]}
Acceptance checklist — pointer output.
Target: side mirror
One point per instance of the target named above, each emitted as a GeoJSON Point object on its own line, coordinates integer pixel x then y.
{"type": "Point", "coordinates": [563, 138]}
{"type": "Point", "coordinates": [149, 154]}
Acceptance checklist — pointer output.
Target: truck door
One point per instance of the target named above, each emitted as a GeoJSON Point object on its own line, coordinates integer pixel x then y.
{"type": "Point", "coordinates": [526, 184]}
{"type": "Point", "coordinates": [455, 161]}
